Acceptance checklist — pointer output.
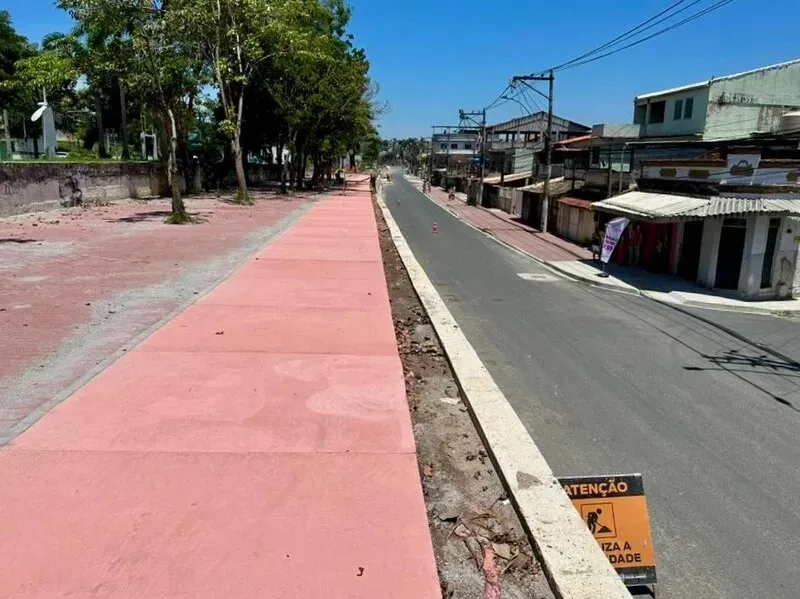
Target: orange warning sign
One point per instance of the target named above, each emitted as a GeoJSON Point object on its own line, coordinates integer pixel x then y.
{"type": "Point", "coordinates": [614, 509]}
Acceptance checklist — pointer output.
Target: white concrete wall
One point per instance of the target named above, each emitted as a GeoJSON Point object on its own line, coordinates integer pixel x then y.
{"type": "Point", "coordinates": [709, 250]}
{"type": "Point", "coordinates": [32, 187]}
{"type": "Point", "coordinates": [785, 278]}
{"type": "Point", "coordinates": [721, 174]}
{"type": "Point", "coordinates": [751, 102]}
{"type": "Point", "coordinates": [671, 126]}
{"type": "Point", "coordinates": [785, 265]}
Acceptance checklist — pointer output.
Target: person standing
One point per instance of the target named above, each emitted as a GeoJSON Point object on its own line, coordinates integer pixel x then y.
{"type": "Point", "coordinates": [597, 244]}
{"type": "Point", "coordinates": [637, 244]}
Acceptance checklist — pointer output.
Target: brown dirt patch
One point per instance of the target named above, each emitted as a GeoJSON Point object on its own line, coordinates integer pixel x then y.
{"type": "Point", "coordinates": [477, 537]}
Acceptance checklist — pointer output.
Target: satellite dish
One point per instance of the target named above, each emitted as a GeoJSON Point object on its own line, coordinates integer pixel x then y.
{"type": "Point", "coordinates": [39, 111]}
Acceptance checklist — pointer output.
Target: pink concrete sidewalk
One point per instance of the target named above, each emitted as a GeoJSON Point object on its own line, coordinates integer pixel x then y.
{"type": "Point", "coordinates": [544, 246]}
{"type": "Point", "coordinates": [258, 445]}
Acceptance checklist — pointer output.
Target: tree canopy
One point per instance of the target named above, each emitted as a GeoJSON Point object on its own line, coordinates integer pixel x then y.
{"type": "Point", "coordinates": [270, 74]}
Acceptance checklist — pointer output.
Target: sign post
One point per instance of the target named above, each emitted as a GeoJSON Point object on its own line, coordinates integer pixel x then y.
{"type": "Point", "coordinates": [614, 509]}
{"type": "Point", "coordinates": [614, 230]}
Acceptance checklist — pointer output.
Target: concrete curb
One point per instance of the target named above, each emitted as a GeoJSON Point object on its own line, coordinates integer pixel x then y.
{"type": "Point", "coordinates": [572, 560]}
{"type": "Point", "coordinates": [633, 290]}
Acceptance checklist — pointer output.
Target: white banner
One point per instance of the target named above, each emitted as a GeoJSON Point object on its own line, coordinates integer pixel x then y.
{"type": "Point", "coordinates": [614, 230]}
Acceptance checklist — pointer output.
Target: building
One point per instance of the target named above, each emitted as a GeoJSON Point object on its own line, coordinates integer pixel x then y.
{"type": "Point", "coordinates": [456, 153]}
{"type": "Point", "coordinates": [515, 146]}
{"type": "Point", "coordinates": [729, 220]}
{"type": "Point", "coordinates": [728, 107]}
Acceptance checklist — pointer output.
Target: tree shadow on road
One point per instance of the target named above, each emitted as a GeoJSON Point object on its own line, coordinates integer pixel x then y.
{"type": "Point", "coordinates": [17, 240]}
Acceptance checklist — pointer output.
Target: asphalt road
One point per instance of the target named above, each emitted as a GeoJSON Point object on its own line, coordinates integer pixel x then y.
{"type": "Point", "coordinates": [609, 383]}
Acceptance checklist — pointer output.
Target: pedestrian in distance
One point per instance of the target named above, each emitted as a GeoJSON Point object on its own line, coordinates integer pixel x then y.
{"type": "Point", "coordinates": [597, 244]}
{"type": "Point", "coordinates": [637, 244]}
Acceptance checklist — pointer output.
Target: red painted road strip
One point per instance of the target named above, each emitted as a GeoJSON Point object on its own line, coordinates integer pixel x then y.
{"type": "Point", "coordinates": [258, 445]}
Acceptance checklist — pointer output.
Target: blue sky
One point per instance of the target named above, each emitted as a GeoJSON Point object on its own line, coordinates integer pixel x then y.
{"type": "Point", "coordinates": [432, 57]}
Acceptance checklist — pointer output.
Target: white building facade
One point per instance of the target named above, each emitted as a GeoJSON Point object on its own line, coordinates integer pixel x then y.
{"type": "Point", "coordinates": [727, 107]}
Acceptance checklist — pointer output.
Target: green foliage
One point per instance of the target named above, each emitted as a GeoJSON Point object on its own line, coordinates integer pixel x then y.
{"type": "Point", "coordinates": [79, 154]}
{"type": "Point", "coordinates": [13, 47]}
{"type": "Point", "coordinates": [286, 74]}
{"type": "Point", "coordinates": [46, 70]}
{"type": "Point", "coordinates": [243, 197]}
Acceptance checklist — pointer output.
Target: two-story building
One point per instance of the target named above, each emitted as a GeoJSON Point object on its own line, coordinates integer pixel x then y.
{"type": "Point", "coordinates": [729, 107]}
{"type": "Point", "coordinates": [513, 146]}
{"type": "Point", "coordinates": [729, 220]}
{"type": "Point", "coordinates": [455, 153]}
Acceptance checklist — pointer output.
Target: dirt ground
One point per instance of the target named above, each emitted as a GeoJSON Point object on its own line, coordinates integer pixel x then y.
{"type": "Point", "coordinates": [480, 546]}
{"type": "Point", "coordinates": [80, 285]}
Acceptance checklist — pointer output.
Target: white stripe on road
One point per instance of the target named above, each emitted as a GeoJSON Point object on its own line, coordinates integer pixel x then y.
{"type": "Point", "coordinates": [572, 560]}
{"type": "Point", "coordinates": [538, 277]}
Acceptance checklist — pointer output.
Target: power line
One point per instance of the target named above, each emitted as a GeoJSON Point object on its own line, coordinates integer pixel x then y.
{"type": "Point", "coordinates": [494, 102]}
{"type": "Point", "coordinates": [632, 31]}
{"type": "Point", "coordinates": [688, 19]}
{"type": "Point", "coordinates": [657, 19]}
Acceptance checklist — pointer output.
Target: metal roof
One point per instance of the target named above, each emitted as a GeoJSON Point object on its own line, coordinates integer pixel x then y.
{"type": "Point", "coordinates": [707, 82]}
{"type": "Point", "coordinates": [495, 180]}
{"type": "Point", "coordinates": [557, 185]}
{"type": "Point", "coordinates": [576, 202]}
{"type": "Point", "coordinates": [668, 207]}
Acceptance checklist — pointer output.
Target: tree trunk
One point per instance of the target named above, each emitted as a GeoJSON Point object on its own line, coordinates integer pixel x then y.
{"type": "Point", "coordinates": [352, 161]}
{"type": "Point", "coordinates": [315, 174]}
{"type": "Point", "coordinates": [281, 171]}
{"type": "Point", "coordinates": [123, 114]}
{"type": "Point", "coordinates": [101, 132]}
{"type": "Point", "coordinates": [301, 169]}
{"type": "Point", "coordinates": [178, 207]}
{"type": "Point", "coordinates": [236, 147]}
{"type": "Point", "coordinates": [241, 180]}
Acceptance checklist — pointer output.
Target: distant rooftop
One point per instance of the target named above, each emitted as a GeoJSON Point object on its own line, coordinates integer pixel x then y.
{"type": "Point", "coordinates": [707, 82]}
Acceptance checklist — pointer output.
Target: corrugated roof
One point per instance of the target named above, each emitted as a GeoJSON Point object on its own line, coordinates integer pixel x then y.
{"type": "Point", "coordinates": [495, 180]}
{"type": "Point", "coordinates": [700, 84]}
{"type": "Point", "coordinates": [576, 202]}
{"type": "Point", "coordinates": [557, 185]}
{"type": "Point", "coordinates": [668, 207]}
{"type": "Point", "coordinates": [574, 140]}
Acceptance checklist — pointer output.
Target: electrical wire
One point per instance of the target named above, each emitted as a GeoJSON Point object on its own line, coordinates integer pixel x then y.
{"type": "Point", "coordinates": [689, 19]}
{"type": "Point", "coordinates": [493, 103]}
{"type": "Point", "coordinates": [665, 15]}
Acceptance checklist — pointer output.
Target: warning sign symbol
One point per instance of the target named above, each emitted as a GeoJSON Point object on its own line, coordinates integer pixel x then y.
{"type": "Point", "coordinates": [599, 517]}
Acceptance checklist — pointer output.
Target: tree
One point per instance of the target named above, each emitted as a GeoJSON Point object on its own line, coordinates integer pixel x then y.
{"type": "Point", "coordinates": [234, 37]}
{"type": "Point", "coordinates": [13, 47]}
{"type": "Point", "coordinates": [150, 59]}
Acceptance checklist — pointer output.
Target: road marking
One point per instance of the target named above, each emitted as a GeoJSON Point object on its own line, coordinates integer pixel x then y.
{"type": "Point", "coordinates": [538, 277]}
{"type": "Point", "coordinates": [574, 563]}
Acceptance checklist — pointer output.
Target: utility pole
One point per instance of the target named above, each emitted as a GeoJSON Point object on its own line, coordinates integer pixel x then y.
{"type": "Point", "coordinates": [7, 133]}
{"type": "Point", "coordinates": [447, 160]}
{"type": "Point", "coordinates": [430, 160]}
{"type": "Point", "coordinates": [464, 115]}
{"type": "Point", "coordinates": [548, 141]}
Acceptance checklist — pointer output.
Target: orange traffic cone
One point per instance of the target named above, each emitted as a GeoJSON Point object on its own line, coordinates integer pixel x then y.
{"type": "Point", "coordinates": [435, 228]}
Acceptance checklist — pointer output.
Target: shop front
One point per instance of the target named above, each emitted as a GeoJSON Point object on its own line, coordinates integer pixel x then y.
{"type": "Point", "coordinates": [742, 245]}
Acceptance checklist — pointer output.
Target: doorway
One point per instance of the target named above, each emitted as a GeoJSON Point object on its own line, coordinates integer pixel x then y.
{"type": "Point", "coordinates": [731, 250]}
{"type": "Point", "coordinates": [689, 261]}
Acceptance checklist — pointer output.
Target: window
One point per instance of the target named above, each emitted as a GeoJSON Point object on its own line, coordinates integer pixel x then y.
{"type": "Point", "coordinates": [443, 146]}
{"type": "Point", "coordinates": [657, 110]}
{"type": "Point", "coordinates": [769, 252]}
{"type": "Point", "coordinates": [688, 105]}
{"type": "Point", "coordinates": [467, 146]}
{"type": "Point", "coordinates": [453, 146]}
{"type": "Point", "coordinates": [640, 114]}
{"type": "Point", "coordinates": [677, 114]}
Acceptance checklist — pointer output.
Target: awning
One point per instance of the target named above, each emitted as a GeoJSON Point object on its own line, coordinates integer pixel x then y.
{"type": "Point", "coordinates": [495, 180]}
{"type": "Point", "coordinates": [558, 185]}
{"type": "Point", "coordinates": [576, 203]}
{"type": "Point", "coordinates": [665, 207]}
